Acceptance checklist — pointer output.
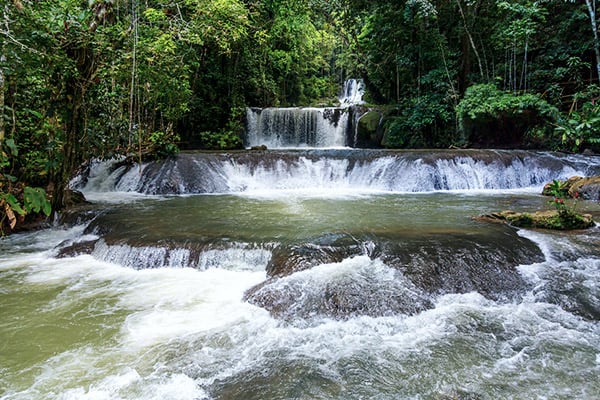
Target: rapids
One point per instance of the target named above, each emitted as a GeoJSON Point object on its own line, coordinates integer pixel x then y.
{"type": "Point", "coordinates": [305, 274]}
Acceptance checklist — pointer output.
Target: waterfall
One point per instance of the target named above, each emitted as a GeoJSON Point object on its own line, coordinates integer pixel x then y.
{"type": "Point", "coordinates": [331, 171]}
{"type": "Point", "coordinates": [295, 127]}
{"type": "Point", "coordinates": [352, 93]}
{"type": "Point", "coordinates": [144, 257]}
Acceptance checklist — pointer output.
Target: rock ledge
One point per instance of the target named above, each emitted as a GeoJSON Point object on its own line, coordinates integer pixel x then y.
{"type": "Point", "coordinates": [553, 219]}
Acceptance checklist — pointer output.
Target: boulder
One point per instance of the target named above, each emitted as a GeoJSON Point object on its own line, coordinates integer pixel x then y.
{"type": "Point", "coordinates": [368, 132]}
{"type": "Point", "coordinates": [587, 188]}
{"type": "Point", "coordinates": [262, 147]}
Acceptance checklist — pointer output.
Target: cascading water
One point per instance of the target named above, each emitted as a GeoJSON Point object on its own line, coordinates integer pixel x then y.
{"type": "Point", "coordinates": [296, 127]}
{"type": "Point", "coordinates": [338, 171]}
{"type": "Point", "coordinates": [303, 127]}
{"type": "Point", "coordinates": [353, 91]}
{"type": "Point", "coordinates": [305, 274]}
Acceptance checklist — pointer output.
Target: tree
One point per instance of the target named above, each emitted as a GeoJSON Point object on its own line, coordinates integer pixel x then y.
{"type": "Point", "coordinates": [591, 6]}
{"type": "Point", "coordinates": [525, 17]}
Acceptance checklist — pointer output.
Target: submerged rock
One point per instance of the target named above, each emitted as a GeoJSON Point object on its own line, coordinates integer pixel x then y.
{"type": "Point", "coordinates": [392, 276]}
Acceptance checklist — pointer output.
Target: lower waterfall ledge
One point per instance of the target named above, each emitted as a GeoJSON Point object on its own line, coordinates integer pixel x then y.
{"type": "Point", "coordinates": [552, 219]}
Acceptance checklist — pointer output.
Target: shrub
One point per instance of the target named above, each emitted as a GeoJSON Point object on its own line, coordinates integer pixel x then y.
{"type": "Point", "coordinates": [490, 117]}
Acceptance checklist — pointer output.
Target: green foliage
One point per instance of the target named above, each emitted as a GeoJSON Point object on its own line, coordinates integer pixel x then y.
{"type": "Point", "coordinates": [487, 103]}
{"type": "Point", "coordinates": [566, 217]}
{"type": "Point", "coordinates": [12, 202]}
{"type": "Point", "coordinates": [558, 189]}
{"type": "Point", "coordinates": [581, 128]}
{"type": "Point", "coordinates": [35, 200]}
{"type": "Point", "coordinates": [12, 211]}
{"type": "Point", "coordinates": [421, 123]}
{"type": "Point", "coordinates": [222, 140]}
{"type": "Point", "coordinates": [17, 199]}
{"type": "Point", "coordinates": [487, 112]}
{"type": "Point", "coordinates": [106, 78]}
{"type": "Point", "coordinates": [164, 144]}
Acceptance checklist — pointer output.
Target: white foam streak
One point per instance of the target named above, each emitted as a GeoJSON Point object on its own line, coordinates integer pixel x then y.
{"type": "Point", "coordinates": [165, 303]}
{"type": "Point", "coordinates": [211, 300]}
{"type": "Point", "coordinates": [175, 387]}
{"type": "Point", "coordinates": [235, 259]}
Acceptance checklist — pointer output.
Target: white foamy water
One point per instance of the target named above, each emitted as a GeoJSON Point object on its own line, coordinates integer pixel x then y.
{"type": "Point", "coordinates": [182, 333]}
{"type": "Point", "coordinates": [302, 127]}
{"type": "Point", "coordinates": [353, 91]}
{"type": "Point", "coordinates": [132, 320]}
{"type": "Point", "coordinates": [286, 128]}
{"type": "Point", "coordinates": [145, 310]}
{"type": "Point", "coordinates": [328, 174]}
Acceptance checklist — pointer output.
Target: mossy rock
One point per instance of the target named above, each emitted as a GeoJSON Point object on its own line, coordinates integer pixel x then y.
{"type": "Point", "coordinates": [565, 186]}
{"type": "Point", "coordinates": [554, 219]}
{"type": "Point", "coordinates": [368, 127]}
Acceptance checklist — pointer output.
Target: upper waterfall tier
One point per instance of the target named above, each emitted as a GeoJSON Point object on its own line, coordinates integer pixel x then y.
{"type": "Point", "coordinates": [296, 127]}
{"type": "Point", "coordinates": [327, 172]}
{"type": "Point", "coordinates": [352, 93]}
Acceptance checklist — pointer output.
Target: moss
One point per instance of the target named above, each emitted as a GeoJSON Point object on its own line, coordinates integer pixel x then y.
{"type": "Point", "coordinates": [572, 220]}
{"type": "Point", "coordinates": [555, 220]}
{"type": "Point", "coordinates": [524, 220]}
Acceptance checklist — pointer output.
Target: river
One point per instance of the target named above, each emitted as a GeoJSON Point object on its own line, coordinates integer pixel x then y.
{"type": "Point", "coordinates": [331, 274]}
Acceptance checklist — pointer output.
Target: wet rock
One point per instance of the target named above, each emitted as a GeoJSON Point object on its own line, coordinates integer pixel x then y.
{"type": "Point", "coordinates": [551, 219]}
{"type": "Point", "coordinates": [396, 277]}
{"type": "Point", "coordinates": [76, 249]}
{"type": "Point", "coordinates": [463, 264]}
{"type": "Point", "coordinates": [288, 260]}
{"type": "Point", "coordinates": [564, 186]}
{"type": "Point", "coordinates": [353, 287]}
{"type": "Point", "coordinates": [259, 148]}
{"type": "Point", "coordinates": [74, 197]}
{"type": "Point", "coordinates": [586, 188]}
{"type": "Point", "coordinates": [368, 130]}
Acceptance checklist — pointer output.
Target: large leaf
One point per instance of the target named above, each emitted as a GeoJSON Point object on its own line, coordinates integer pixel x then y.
{"type": "Point", "coordinates": [10, 143]}
{"type": "Point", "coordinates": [35, 200]}
{"type": "Point", "coordinates": [12, 219]}
{"type": "Point", "coordinates": [13, 203]}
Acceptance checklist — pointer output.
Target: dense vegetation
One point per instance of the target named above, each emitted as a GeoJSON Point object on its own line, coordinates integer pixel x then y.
{"type": "Point", "coordinates": [83, 78]}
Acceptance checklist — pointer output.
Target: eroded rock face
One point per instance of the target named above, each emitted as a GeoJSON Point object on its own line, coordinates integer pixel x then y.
{"type": "Point", "coordinates": [585, 188]}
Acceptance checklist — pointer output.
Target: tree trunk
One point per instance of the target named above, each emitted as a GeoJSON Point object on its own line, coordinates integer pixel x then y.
{"type": "Point", "coordinates": [71, 155]}
{"type": "Point", "coordinates": [592, 11]}
{"type": "Point", "coordinates": [471, 41]}
{"type": "Point", "coordinates": [2, 84]}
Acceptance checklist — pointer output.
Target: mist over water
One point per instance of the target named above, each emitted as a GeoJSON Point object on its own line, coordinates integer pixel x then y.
{"type": "Point", "coordinates": [305, 275]}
